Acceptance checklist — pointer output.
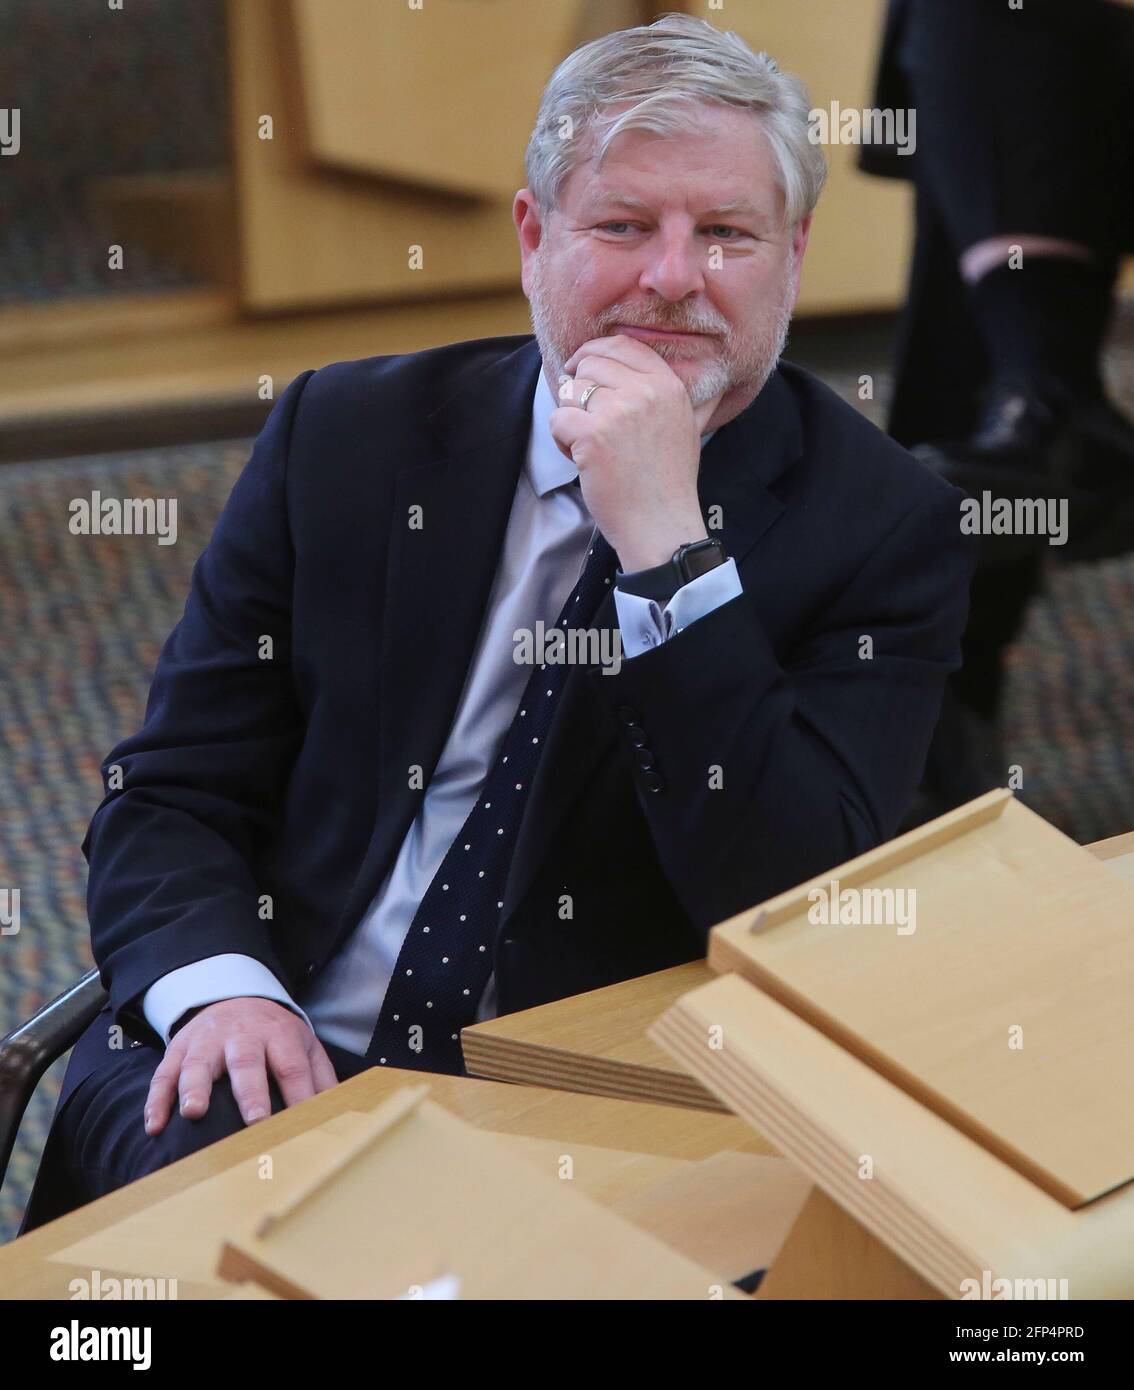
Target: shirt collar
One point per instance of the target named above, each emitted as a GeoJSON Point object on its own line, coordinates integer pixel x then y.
{"type": "Point", "coordinates": [547, 468]}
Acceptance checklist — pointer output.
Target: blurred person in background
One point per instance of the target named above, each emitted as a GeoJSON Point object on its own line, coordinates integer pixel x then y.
{"type": "Point", "coordinates": [1023, 171]}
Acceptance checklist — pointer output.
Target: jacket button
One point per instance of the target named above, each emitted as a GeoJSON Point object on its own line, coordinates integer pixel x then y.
{"type": "Point", "coordinates": [637, 735]}
{"type": "Point", "coordinates": [628, 714]}
{"type": "Point", "coordinates": [309, 969]}
{"type": "Point", "coordinates": [645, 758]}
{"type": "Point", "coordinates": [652, 781]}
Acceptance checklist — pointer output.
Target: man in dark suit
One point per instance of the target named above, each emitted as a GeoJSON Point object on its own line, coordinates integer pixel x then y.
{"type": "Point", "coordinates": [370, 803]}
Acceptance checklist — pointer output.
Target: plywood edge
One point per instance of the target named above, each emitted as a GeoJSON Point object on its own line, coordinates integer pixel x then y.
{"type": "Point", "coordinates": [239, 1262]}
{"type": "Point", "coordinates": [563, 1060]}
{"type": "Point", "coordinates": [914, 1236]}
{"type": "Point", "coordinates": [692, 1099]}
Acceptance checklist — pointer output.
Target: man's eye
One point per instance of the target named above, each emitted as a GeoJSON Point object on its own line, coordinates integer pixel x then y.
{"type": "Point", "coordinates": [609, 226]}
{"type": "Point", "coordinates": [720, 227]}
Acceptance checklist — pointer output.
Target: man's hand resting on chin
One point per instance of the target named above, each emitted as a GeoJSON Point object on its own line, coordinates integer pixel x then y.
{"type": "Point", "coordinates": [637, 446]}
{"type": "Point", "coordinates": [245, 1038]}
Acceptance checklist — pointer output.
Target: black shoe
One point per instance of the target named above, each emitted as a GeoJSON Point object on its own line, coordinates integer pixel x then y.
{"type": "Point", "coordinates": [1011, 445]}
{"type": "Point", "coordinates": [1075, 454]}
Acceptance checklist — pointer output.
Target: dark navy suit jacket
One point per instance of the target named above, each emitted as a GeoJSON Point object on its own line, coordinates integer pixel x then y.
{"type": "Point", "coordinates": [289, 776]}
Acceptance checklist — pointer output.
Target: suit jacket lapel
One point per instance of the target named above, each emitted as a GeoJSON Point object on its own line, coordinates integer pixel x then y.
{"type": "Point", "coordinates": [438, 579]}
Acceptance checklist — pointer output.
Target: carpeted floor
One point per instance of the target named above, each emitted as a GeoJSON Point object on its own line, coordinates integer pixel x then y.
{"type": "Point", "coordinates": [82, 621]}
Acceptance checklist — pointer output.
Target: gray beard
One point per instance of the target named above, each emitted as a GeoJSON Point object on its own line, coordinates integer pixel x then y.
{"type": "Point", "coordinates": [551, 332]}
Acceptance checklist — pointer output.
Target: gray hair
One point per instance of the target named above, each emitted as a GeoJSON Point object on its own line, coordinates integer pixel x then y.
{"type": "Point", "coordinates": [665, 68]}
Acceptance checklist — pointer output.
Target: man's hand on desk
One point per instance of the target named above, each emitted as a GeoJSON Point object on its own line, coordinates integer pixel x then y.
{"type": "Point", "coordinates": [245, 1038]}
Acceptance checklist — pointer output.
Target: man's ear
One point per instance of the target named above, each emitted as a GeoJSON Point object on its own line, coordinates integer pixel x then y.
{"type": "Point", "coordinates": [799, 239]}
{"type": "Point", "coordinates": [529, 228]}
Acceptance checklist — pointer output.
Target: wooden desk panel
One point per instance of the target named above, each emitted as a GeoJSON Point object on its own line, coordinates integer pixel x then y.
{"type": "Point", "coordinates": [1002, 1003]}
{"type": "Point", "coordinates": [943, 1203]}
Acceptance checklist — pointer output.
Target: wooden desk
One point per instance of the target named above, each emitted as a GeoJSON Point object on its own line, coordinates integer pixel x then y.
{"type": "Point", "coordinates": [596, 1043]}
{"type": "Point", "coordinates": [1118, 846]}
{"type": "Point", "coordinates": [27, 1270]}
{"type": "Point", "coordinates": [683, 1132]}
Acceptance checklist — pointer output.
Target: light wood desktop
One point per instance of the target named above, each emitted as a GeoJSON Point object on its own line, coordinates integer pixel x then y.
{"type": "Point", "coordinates": [636, 1130]}
{"type": "Point", "coordinates": [636, 1142]}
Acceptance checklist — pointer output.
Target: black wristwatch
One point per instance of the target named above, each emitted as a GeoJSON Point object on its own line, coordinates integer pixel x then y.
{"type": "Point", "coordinates": [663, 581]}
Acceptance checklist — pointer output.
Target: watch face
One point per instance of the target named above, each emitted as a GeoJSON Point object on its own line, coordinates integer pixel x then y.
{"type": "Point", "coordinates": [700, 557]}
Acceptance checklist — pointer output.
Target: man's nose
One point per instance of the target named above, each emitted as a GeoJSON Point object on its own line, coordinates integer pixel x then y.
{"type": "Point", "coordinates": [675, 267]}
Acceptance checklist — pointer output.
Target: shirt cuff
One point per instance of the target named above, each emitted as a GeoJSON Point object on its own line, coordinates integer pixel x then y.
{"type": "Point", "coordinates": [645, 623]}
{"type": "Point", "coordinates": [207, 982]}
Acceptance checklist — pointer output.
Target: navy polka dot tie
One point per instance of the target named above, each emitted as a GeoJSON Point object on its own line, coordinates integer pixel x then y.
{"type": "Point", "coordinates": [446, 958]}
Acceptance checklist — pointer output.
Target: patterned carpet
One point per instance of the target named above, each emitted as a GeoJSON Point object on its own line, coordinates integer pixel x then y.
{"type": "Point", "coordinates": [1069, 705]}
{"type": "Point", "coordinates": [82, 621]}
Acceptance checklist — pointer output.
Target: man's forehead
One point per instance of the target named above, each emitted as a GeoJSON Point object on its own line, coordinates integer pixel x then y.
{"type": "Point", "coordinates": [597, 196]}
{"type": "Point", "coordinates": [621, 181]}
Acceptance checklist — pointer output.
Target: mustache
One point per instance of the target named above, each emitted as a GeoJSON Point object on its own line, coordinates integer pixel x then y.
{"type": "Point", "coordinates": [666, 324]}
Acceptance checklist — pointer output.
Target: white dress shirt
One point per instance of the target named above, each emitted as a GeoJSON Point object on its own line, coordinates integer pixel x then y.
{"type": "Point", "coordinates": [549, 530]}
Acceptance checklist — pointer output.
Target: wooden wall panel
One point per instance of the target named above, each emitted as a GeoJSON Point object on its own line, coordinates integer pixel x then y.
{"type": "Point", "coordinates": [441, 96]}
{"type": "Point", "coordinates": [316, 239]}
{"type": "Point", "coordinates": [313, 237]}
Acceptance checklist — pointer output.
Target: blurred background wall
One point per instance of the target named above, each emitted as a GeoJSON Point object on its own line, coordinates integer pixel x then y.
{"type": "Point", "coordinates": [274, 157]}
